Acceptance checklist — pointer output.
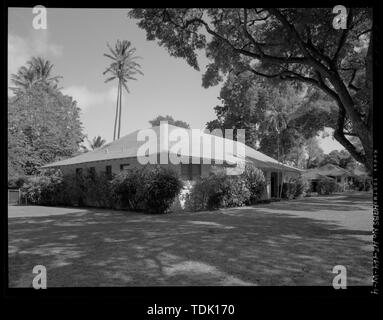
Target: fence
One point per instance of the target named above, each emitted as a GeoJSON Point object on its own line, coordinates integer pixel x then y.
{"type": "Point", "coordinates": [14, 196]}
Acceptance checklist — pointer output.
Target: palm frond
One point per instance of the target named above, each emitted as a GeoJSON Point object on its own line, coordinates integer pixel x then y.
{"type": "Point", "coordinates": [110, 79]}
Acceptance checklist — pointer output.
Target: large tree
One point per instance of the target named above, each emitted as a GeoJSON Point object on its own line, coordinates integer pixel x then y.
{"type": "Point", "coordinates": [250, 103]}
{"type": "Point", "coordinates": [289, 44]}
{"type": "Point", "coordinates": [43, 126]}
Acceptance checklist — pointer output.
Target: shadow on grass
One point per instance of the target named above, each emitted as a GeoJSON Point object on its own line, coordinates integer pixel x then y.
{"type": "Point", "coordinates": [237, 247]}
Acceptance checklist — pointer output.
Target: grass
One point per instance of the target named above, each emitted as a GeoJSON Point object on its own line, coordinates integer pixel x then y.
{"type": "Point", "coordinates": [281, 243]}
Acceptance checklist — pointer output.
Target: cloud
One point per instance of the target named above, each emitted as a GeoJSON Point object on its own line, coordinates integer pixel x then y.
{"type": "Point", "coordinates": [20, 49]}
{"type": "Point", "coordinates": [327, 141]}
{"type": "Point", "coordinates": [87, 98]}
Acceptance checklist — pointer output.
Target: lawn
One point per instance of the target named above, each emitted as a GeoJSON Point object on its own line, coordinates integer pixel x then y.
{"type": "Point", "coordinates": [285, 243]}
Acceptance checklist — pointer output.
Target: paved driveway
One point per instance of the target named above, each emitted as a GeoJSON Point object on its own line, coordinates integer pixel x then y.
{"type": "Point", "coordinates": [287, 243]}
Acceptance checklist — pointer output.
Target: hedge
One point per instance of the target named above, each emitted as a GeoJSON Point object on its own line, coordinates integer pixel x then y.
{"type": "Point", "coordinates": [326, 187]}
{"type": "Point", "coordinates": [221, 190]}
{"type": "Point", "coordinates": [255, 182]}
{"type": "Point", "coordinates": [294, 188]}
{"type": "Point", "coordinates": [216, 191]}
{"type": "Point", "coordinates": [45, 189]}
{"type": "Point", "coordinates": [149, 189]}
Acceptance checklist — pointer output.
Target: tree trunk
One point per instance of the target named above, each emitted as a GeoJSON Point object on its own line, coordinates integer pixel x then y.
{"type": "Point", "coordinates": [278, 189]}
{"type": "Point", "coordinates": [115, 119]}
{"type": "Point", "coordinates": [119, 116]}
{"type": "Point", "coordinates": [361, 127]}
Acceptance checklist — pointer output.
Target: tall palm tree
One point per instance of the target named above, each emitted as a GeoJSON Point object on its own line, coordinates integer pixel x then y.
{"type": "Point", "coordinates": [277, 120]}
{"type": "Point", "coordinates": [37, 70]}
{"type": "Point", "coordinates": [97, 142]}
{"type": "Point", "coordinates": [122, 68]}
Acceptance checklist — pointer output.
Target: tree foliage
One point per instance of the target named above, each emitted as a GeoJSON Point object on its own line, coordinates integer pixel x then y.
{"type": "Point", "coordinates": [268, 111]}
{"type": "Point", "coordinates": [36, 72]}
{"type": "Point", "coordinates": [43, 126]}
{"type": "Point", "coordinates": [340, 158]}
{"type": "Point", "coordinates": [97, 142]}
{"type": "Point", "coordinates": [170, 120]}
{"type": "Point", "coordinates": [290, 44]}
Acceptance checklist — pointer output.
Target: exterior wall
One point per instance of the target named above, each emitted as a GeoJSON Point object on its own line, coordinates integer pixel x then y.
{"type": "Point", "coordinates": [206, 170]}
{"type": "Point", "coordinates": [289, 174]}
{"type": "Point", "coordinates": [100, 165]}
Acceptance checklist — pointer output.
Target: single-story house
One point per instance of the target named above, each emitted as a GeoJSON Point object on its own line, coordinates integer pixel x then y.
{"type": "Point", "coordinates": [126, 153]}
{"type": "Point", "coordinates": [328, 171]}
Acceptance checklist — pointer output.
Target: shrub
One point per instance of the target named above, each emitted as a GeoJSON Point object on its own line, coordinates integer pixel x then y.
{"type": "Point", "coordinates": [97, 190]}
{"type": "Point", "coordinates": [255, 182]}
{"type": "Point", "coordinates": [162, 185]}
{"type": "Point", "coordinates": [237, 193]}
{"type": "Point", "coordinates": [294, 188]}
{"type": "Point", "coordinates": [149, 189]}
{"type": "Point", "coordinates": [360, 184]}
{"type": "Point", "coordinates": [17, 181]}
{"type": "Point", "coordinates": [326, 186]}
{"type": "Point", "coordinates": [73, 190]}
{"type": "Point", "coordinates": [124, 188]}
{"type": "Point", "coordinates": [302, 186]}
{"type": "Point", "coordinates": [198, 197]}
{"type": "Point", "coordinates": [288, 190]}
{"type": "Point", "coordinates": [52, 188]}
{"type": "Point", "coordinates": [44, 189]}
{"type": "Point", "coordinates": [216, 191]}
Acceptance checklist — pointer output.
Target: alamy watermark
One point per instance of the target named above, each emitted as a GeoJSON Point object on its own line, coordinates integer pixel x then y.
{"type": "Point", "coordinates": [39, 21]}
{"type": "Point", "coordinates": [40, 280]}
{"type": "Point", "coordinates": [340, 20]}
{"type": "Point", "coordinates": [195, 146]}
{"type": "Point", "coordinates": [340, 280]}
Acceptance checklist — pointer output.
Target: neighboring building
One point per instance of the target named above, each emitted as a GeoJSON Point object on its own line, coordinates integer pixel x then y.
{"type": "Point", "coordinates": [328, 171]}
{"type": "Point", "coordinates": [122, 154]}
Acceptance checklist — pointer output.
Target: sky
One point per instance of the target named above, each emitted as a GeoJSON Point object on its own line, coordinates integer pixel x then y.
{"type": "Point", "coordinates": [75, 41]}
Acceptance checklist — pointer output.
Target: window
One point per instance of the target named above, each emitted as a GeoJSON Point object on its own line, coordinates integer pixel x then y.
{"type": "Point", "coordinates": [92, 172]}
{"type": "Point", "coordinates": [78, 172]}
{"type": "Point", "coordinates": [108, 171]}
{"type": "Point", "coordinates": [124, 166]}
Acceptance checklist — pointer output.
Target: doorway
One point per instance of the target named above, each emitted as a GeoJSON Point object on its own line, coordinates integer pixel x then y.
{"type": "Point", "coordinates": [273, 185]}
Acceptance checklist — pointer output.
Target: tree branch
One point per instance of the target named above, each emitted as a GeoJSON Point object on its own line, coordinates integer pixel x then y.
{"type": "Point", "coordinates": [248, 35]}
{"type": "Point", "coordinates": [301, 44]}
{"type": "Point", "coordinates": [340, 137]}
{"type": "Point", "coordinates": [363, 32]}
{"type": "Point", "coordinates": [260, 56]}
{"type": "Point", "coordinates": [350, 83]}
{"type": "Point", "coordinates": [350, 134]}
